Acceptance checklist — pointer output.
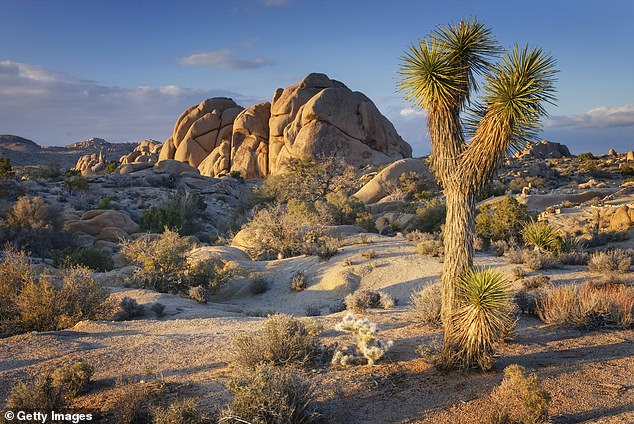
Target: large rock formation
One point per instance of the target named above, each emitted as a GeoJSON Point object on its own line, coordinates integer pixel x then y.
{"type": "Point", "coordinates": [317, 117]}
{"type": "Point", "coordinates": [91, 164]}
{"type": "Point", "coordinates": [202, 136]}
{"type": "Point", "coordinates": [146, 151]}
{"type": "Point", "coordinates": [544, 150]}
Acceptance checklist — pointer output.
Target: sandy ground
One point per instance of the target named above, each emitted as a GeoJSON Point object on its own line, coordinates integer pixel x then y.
{"type": "Point", "coordinates": [589, 374]}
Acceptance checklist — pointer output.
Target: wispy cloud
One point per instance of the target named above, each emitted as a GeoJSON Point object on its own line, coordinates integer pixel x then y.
{"type": "Point", "coordinates": [600, 117]}
{"type": "Point", "coordinates": [55, 108]}
{"type": "Point", "coordinates": [274, 3]}
{"type": "Point", "coordinates": [410, 112]}
{"type": "Point", "coordinates": [224, 59]}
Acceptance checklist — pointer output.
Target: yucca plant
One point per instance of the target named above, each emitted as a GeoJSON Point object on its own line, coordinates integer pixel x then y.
{"type": "Point", "coordinates": [567, 243]}
{"type": "Point", "coordinates": [541, 235]}
{"type": "Point", "coordinates": [482, 317]}
{"type": "Point", "coordinates": [439, 74]}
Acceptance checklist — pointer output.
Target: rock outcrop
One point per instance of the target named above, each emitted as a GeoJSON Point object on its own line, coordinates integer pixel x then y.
{"type": "Point", "coordinates": [387, 180]}
{"type": "Point", "coordinates": [203, 134]}
{"type": "Point", "coordinates": [91, 164]}
{"type": "Point", "coordinates": [544, 150]}
{"type": "Point", "coordinates": [316, 117]}
{"type": "Point", "coordinates": [104, 224]}
{"type": "Point", "coordinates": [146, 151]}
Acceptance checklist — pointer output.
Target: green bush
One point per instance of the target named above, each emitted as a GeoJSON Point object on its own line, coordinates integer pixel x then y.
{"type": "Point", "coordinates": [430, 217]}
{"type": "Point", "coordinates": [586, 156]}
{"type": "Point", "coordinates": [95, 259]}
{"type": "Point", "coordinates": [271, 395]}
{"type": "Point", "coordinates": [40, 395]}
{"type": "Point", "coordinates": [162, 260]}
{"type": "Point", "coordinates": [541, 235]}
{"type": "Point", "coordinates": [309, 180]}
{"type": "Point", "coordinates": [73, 379]}
{"type": "Point", "coordinates": [627, 170]}
{"type": "Point", "coordinates": [502, 220]}
{"type": "Point", "coordinates": [519, 399]}
{"type": "Point", "coordinates": [106, 203]}
{"type": "Point", "coordinates": [6, 171]}
{"type": "Point", "coordinates": [178, 212]}
{"type": "Point", "coordinates": [282, 340]}
{"type": "Point", "coordinates": [129, 309]}
{"type": "Point", "coordinates": [76, 183]}
{"type": "Point", "coordinates": [275, 233]}
{"type": "Point", "coordinates": [211, 275]}
{"type": "Point", "coordinates": [111, 167]}
{"type": "Point", "coordinates": [482, 317]}
{"type": "Point", "coordinates": [157, 218]}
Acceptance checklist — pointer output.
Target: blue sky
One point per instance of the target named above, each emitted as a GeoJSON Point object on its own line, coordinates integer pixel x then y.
{"type": "Point", "coordinates": [125, 70]}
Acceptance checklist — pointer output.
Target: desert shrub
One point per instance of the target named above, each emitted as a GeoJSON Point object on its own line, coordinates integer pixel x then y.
{"type": "Point", "coordinates": [76, 183]}
{"type": "Point", "coordinates": [604, 237]}
{"type": "Point", "coordinates": [197, 293]}
{"type": "Point", "coordinates": [430, 217]}
{"type": "Point", "coordinates": [567, 243]}
{"type": "Point", "coordinates": [43, 305]}
{"type": "Point", "coordinates": [586, 156]}
{"type": "Point", "coordinates": [430, 245]}
{"type": "Point", "coordinates": [519, 272]}
{"type": "Point", "coordinates": [34, 225]}
{"type": "Point", "coordinates": [39, 395]}
{"type": "Point", "coordinates": [362, 300]}
{"type": "Point", "coordinates": [482, 317]}
{"type": "Point", "coordinates": [95, 259]}
{"type": "Point", "coordinates": [177, 412]}
{"type": "Point", "coordinates": [282, 340]}
{"type": "Point", "coordinates": [610, 261]}
{"type": "Point", "coordinates": [211, 275]}
{"type": "Point", "coordinates": [298, 281]}
{"type": "Point", "coordinates": [502, 220]}
{"type": "Point", "coordinates": [517, 184]}
{"type": "Point", "coordinates": [498, 247]}
{"type": "Point", "coordinates": [540, 235]}
{"type": "Point", "coordinates": [587, 306]}
{"type": "Point", "coordinates": [259, 285]}
{"type": "Point", "coordinates": [533, 259]}
{"type": "Point", "coordinates": [158, 309]}
{"type": "Point", "coordinates": [426, 302]}
{"type": "Point", "coordinates": [73, 379]}
{"type": "Point", "coordinates": [410, 184]}
{"type": "Point", "coordinates": [129, 309]}
{"type": "Point", "coordinates": [157, 218]}
{"type": "Point", "coordinates": [312, 310]}
{"type": "Point", "coordinates": [574, 258]}
{"type": "Point", "coordinates": [111, 167]}
{"type": "Point", "coordinates": [308, 179]}
{"type": "Point", "coordinates": [49, 171]}
{"type": "Point", "coordinates": [275, 233]}
{"type": "Point", "coordinates": [519, 399]}
{"type": "Point", "coordinates": [535, 282]}
{"type": "Point", "coordinates": [346, 210]}
{"type": "Point", "coordinates": [6, 171]}
{"type": "Point", "coordinates": [106, 203]}
{"type": "Point", "coordinates": [491, 189]}
{"type": "Point", "coordinates": [15, 272]}
{"type": "Point", "coordinates": [369, 254]}
{"type": "Point", "coordinates": [369, 348]}
{"type": "Point", "coordinates": [162, 260]}
{"type": "Point", "coordinates": [526, 301]}
{"type": "Point", "coordinates": [271, 395]}
{"type": "Point", "coordinates": [627, 170]}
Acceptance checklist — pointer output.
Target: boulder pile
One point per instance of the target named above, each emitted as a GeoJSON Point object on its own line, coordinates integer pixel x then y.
{"type": "Point", "coordinates": [316, 117]}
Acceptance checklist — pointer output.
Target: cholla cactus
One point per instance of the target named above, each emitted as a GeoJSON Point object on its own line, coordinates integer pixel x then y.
{"type": "Point", "coordinates": [369, 348]}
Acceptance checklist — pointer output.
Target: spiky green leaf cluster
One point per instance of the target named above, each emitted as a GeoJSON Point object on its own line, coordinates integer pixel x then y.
{"type": "Point", "coordinates": [482, 317]}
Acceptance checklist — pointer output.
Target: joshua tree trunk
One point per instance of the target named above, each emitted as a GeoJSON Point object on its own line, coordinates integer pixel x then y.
{"type": "Point", "coordinates": [458, 239]}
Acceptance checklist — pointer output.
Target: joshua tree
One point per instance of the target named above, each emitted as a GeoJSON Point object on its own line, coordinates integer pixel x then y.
{"type": "Point", "coordinates": [439, 75]}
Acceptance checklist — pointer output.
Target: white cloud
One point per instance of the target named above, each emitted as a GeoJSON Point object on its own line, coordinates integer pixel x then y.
{"type": "Point", "coordinates": [410, 112]}
{"type": "Point", "coordinates": [224, 59]}
{"type": "Point", "coordinates": [53, 108]}
{"type": "Point", "coordinates": [600, 117]}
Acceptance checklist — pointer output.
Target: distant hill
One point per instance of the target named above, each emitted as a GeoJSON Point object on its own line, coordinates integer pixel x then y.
{"type": "Point", "coordinates": [24, 152]}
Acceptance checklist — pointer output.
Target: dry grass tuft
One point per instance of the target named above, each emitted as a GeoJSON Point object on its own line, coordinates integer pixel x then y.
{"type": "Point", "coordinates": [426, 302]}
{"type": "Point", "coordinates": [519, 399]}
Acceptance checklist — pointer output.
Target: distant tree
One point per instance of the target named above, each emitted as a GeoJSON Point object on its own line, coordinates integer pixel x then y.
{"type": "Point", "coordinates": [6, 170]}
{"type": "Point", "coordinates": [439, 75]}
